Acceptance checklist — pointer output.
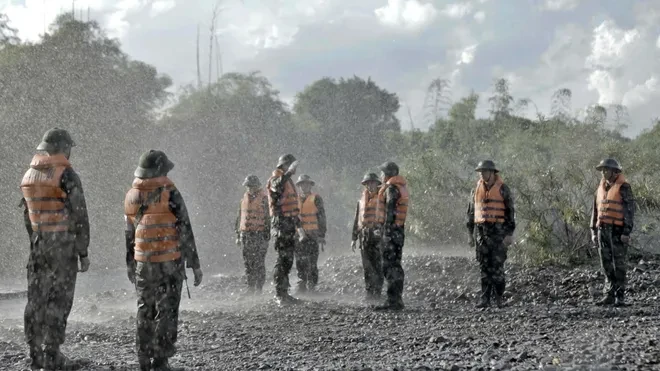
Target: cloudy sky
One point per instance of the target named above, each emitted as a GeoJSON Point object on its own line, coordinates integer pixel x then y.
{"type": "Point", "coordinates": [605, 51]}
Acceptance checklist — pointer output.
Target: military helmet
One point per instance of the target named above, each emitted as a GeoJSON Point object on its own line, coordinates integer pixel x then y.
{"type": "Point", "coordinates": [389, 168]}
{"type": "Point", "coordinates": [609, 163]}
{"type": "Point", "coordinates": [55, 139]}
{"type": "Point", "coordinates": [287, 159]}
{"type": "Point", "coordinates": [252, 181]}
{"type": "Point", "coordinates": [304, 178]}
{"type": "Point", "coordinates": [486, 165]}
{"type": "Point", "coordinates": [153, 163]}
{"type": "Point", "coordinates": [371, 177]}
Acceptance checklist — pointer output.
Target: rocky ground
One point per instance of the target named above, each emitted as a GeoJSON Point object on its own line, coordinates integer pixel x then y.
{"type": "Point", "coordinates": [550, 323]}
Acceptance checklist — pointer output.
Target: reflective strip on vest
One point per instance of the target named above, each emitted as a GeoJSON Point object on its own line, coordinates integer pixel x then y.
{"type": "Point", "coordinates": [488, 203]}
{"type": "Point", "coordinates": [610, 203]}
{"type": "Point", "coordinates": [372, 210]}
{"type": "Point", "coordinates": [287, 204]}
{"type": "Point", "coordinates": [42, 190]}
{"type": "Point", "coordinates": [309, 213]}
{"type": "Point", "coordinates": [253, 214]}
{"type": "Point", "coordinates": [156, 236]}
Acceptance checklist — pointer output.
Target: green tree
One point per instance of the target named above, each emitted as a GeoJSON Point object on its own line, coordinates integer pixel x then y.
{"type": "Point", "coordinates": [500, 102]}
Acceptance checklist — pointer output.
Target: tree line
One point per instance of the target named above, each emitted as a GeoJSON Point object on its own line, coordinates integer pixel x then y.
{"type": "Point", "coordinates": [116, 107]}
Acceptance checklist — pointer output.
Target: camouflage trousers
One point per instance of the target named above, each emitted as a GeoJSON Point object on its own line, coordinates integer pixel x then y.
{"type": "Point", "coordinates": [372, 264]}
{"type": "Point", "coordinates": [613, 260]}
{"type": "Point", "coordinates": [51, 275]}
{"type": "Point", "coordinates": [392, 253]}
{"type": "Point", "coordinates": [158, 288]}
{"type": "Point", "coordinates": [255, 248]}
{"type": "Point", "coordinates": [285, 245]}
{"type": "Point", "coordinates": [307, 263]}
{"type": "Point", "coordinates": [491, 255]}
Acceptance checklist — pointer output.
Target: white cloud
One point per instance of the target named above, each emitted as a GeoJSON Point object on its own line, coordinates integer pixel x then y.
{"type": "Point", "coordinates": [642, 93]}
{"type": "Point", "coordinates": [457, 10]}
{"type": "Point", "coordinates": [561, 5]}
{"type": "Point", "coordinates": [610, 44]}
{"type": "Point", "coordinates": [480, 16]}
{"type": "Point", "coordinates": [467, 55]}
{"type": "Point", "coordinates": [657, 43]}
{"type": "Point", "coordinates": [407, 14]}
{"type": "Point", "coordinates": [162, 6]}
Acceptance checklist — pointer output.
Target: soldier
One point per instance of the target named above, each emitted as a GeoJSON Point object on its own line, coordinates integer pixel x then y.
{"type": "Point", "coordinates": [284, 211]}
{"type": "Point", "coordinates": [491, 210]}
{"type": "Point", "coordinates": [312, 217]}
{"type": "Point", "coordinates": [369, 218]}
{"type": "Point", "coordinates": [159, 240]}
{"type": "Point", "coordinates": [394, 192]}
{"type": "Point", "coordinates": [253, 232]}
{"type": "Point", "coordinates": [612, 217]}
{"type": "Point", "coordinates": [57, 224]}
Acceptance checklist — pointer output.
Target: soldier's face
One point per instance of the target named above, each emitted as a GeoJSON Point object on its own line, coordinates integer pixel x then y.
{"type": "Point", "coordinates": [305, 187]}
{"type": "Point", "coordinates": [372, 186]}
{"type": "Point", "coordinates": [608, 173]}
{"type": "Point", "coordinates": [252, 189]}
{"type": "Point", "coordinates": [486, 175]}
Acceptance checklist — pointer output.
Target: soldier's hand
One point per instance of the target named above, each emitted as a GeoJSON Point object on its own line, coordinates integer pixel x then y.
{"type": "Point", "coordinates": [321, 241]}
{"type": "Point", "coordinates": [84, 264]}
{"type": "Point", "coordinates": [238, 241]}
{"type": "Point", "coordinates": [594, 239]}
{"type": "Point", "coordinates": [353, 245]}
{"type": "Point", "coordinates": [198, 276]}
{"type": "Point", "coordinates": [471, 241]}
{"type": "Point", "coordinates": [508, 240]}
{"type": "Point", "coordinates": [625, 239]}
{"type": "Point", "coordinates": [130, 272]}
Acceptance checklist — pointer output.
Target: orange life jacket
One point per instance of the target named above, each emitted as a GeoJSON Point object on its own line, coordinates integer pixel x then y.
{"type": "Point", "coordinates": [488, 203]}
{"type": "Point", "coordinates": [610, 203]}
{"type": "Point", "coordinates": [309, 213]}
{"type": "Point", "coordinates": [401, 209]}
{"type": "Point", "coordinates": [253, 214]}
{"type": "Point", "coordinates": [156, 236]}
{"type": "Point", "coordinates": [372, 210]}
{"type": "Point", "coordinates": [287, 204]}
{"type": "Point", "coordinates": [42, 190]}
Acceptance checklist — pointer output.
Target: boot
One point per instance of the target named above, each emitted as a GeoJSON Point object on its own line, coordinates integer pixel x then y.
{"type": "Point", "coordinates": [285, 299]}
{"type": "Point", "coordinates": [55, 360]}
{"type": "Point", "coordinates": [607, 300]}
{"type": "Point", "coordinates": [484, 303]}
{"type": "Point", "coordinates": [499, 301]}
{"type": "Point", "coordinates": [36, 357]}
{"type": "Point", "coordinates": [620, 301]}
{"type": "Point", "coordinates": [302, 286]}
{"type": "Point", "coordinates": [145, 363]}
{"type": "Point", "coordinates": [162, 364]}
{"type": "Point", "coordinates": [391, 304]}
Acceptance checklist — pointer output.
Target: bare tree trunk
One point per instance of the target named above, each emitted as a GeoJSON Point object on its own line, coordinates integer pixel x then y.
{"type": "Point", "coordinates": [214, 16]}
{"type": "Point", "coordinates": [199, 72]}
{"type": "Point", "coordinates": [218, 60]}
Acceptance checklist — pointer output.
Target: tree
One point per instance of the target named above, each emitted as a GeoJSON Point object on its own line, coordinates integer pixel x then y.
{"type": "Point", "coordinates": [596, 115]}
{"type": "Point", "coordinates": [346, 120]}
{"type": "Point", "coordinates": [7, 33]}
{"type": "Point", "coordinates": [77, 78]}
{"type": "Point", "coordinates": [437, 99]}
{"type": "Point", "coordinates": [560, 106]}
{"type": "Point", "coordinates": [500, 102]}
{"type": "Point", "coordinates": [465, 109]}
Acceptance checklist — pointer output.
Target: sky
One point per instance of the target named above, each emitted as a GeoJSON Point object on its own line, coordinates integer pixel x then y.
{"type": "Point", "coordinates": [604, 51]}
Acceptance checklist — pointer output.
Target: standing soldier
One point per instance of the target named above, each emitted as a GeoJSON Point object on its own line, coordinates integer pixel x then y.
{"type": "Point", "coordinates": [57, 224]}
{"type": "Point", "coordinates": [611, 224]}
{"type": "Point", "coordinates": [284, 211]}
{"type": "Point", "coordinates": [312, 217]}
{"type": "Point", "coordinates": [491, 211]}
{"type": "Point", "coordinates": [395, 195]}
{"type": "Point", "coordinates": [159, 240]}
{"type": "Point", "coordinates": [253, 232]}
{"type": "Point", "coordinates": [368, 223]}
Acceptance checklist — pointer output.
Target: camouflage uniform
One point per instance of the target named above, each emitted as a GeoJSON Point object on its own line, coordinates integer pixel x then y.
{"type": "Point", "coordinates": [255, 248]}
{"type": "Point", "coordinates": [612, 251]}
{"type": "Point", "coordinates": [52, 271]}
{"type": "Point", "coordinates": [307, 250]}
{"type": "Point", "coordinates": [372, 259]}
{"type": "Point", "coordinates": [159, 284]}
{"type": "Point", "coordinates": [283, 229]}
{"type": "Point", "coordinates": [491, 253]}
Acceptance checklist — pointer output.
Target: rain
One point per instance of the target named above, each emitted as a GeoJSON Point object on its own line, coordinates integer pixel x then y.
{"type": "Point", "coordinates": [216, 223]}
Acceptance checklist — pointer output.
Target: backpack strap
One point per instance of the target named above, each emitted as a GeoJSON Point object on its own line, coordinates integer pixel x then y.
{"type": "Point", "coordinates": [151, 197]}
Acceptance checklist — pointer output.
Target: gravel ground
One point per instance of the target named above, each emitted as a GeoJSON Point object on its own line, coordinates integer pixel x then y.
{"type": "Point", "coordinates": [550, 323]}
